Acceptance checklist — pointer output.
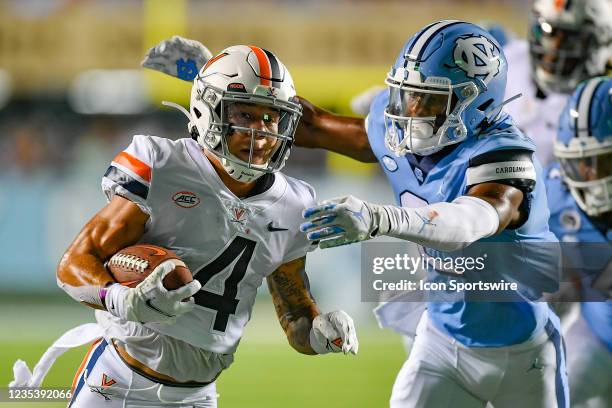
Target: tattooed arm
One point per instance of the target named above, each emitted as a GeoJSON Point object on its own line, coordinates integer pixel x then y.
{"type": "Point", "coordinates": [294, 304]}
{"type": "Point", "coordinates": [308, 331]}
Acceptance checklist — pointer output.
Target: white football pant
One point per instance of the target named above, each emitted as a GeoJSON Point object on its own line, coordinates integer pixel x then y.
{"type": "Point", "coordinates": [441, 372]}
{"type": "Point", "coordinates": [103, 380]}
{"type": "Point", "coordinates": [589, 366]}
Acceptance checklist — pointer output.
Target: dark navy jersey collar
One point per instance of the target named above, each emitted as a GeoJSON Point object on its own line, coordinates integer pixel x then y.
{"type": "Point", "coordinates": [422, 165]}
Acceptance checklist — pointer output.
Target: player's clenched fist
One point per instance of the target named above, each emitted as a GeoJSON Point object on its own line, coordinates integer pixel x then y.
{"type": "Point", "coordinates": [334, 332]}
{"type": "Point", "coordinates": [150, 301]}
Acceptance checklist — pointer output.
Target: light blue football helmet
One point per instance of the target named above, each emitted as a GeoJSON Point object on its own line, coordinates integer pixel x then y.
{"type": "Point", "coordinates": [584, 145]}
{"type": "Point", "coordinates": [447, 83]}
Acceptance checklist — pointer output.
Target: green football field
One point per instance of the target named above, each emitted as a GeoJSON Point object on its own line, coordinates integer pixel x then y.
{"type": "Point", "coordinates": [266, 371]}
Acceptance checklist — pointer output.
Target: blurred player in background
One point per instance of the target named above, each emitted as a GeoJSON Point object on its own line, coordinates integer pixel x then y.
{"type": "Point", "coordinates": [158, 350]}
{"type": "Point", "coordinates": [568, 42]}
{"type": "Point", "coordinates": [579, 190]}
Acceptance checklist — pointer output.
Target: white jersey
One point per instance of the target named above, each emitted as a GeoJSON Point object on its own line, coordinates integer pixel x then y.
{"type": "Point", "coordinates": [537, 117]}
{"type": "Point", "coordinates": [229, 244]}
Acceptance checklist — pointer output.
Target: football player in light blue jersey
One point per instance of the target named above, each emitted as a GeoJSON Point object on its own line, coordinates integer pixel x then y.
{"type": "Point", "coordinates": [579, 189]}
{"type": "Point", "coordinates": [466, 178]}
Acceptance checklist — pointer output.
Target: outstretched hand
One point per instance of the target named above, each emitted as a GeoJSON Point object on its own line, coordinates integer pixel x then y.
{"type": "Point", "coordinates": [179, 57]}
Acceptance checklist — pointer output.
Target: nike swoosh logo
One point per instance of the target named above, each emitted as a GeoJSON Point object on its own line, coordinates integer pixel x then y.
{"type": "Point", "coordinates": [156, 251]}
{"type": "Point", "coordinates": [272, 228]}
{"type": "Point", "coordinates": [148, 303]}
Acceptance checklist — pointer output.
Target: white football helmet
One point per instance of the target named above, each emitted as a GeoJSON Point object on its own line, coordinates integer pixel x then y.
{"type": "Point", "coordinates": [569, 41]}
{"type": "Point", "coordinates": [247, 75]}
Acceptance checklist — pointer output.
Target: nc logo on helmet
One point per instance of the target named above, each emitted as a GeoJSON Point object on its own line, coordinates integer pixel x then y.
{"type": "Point", "coordinates": [477, 56]}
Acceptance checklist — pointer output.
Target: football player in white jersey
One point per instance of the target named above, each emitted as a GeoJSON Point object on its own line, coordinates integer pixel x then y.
{"type": "Point", "coordinates": [219, 201]}
{"type": "Point", "coordinates": [569, 41]}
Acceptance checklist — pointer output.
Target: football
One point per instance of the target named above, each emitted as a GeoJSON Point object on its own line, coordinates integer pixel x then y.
{"type": "Point", "coordinates": [134, 263]}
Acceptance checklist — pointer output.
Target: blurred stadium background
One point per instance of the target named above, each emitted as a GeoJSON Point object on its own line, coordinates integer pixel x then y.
{"type": "Point", "coordinates": [71, 96]}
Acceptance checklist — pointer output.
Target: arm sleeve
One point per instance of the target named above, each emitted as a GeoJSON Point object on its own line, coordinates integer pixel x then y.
{"type": "Point", "coordinates": [441, 226]}
{"type": "Point", "coordinates": [130, 173]}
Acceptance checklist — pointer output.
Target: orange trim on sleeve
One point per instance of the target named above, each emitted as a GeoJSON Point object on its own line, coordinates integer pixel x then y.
{"type": "Point", "coordinates": [265, 72]}
{"type": "Point", "coordinates": [132, 163]}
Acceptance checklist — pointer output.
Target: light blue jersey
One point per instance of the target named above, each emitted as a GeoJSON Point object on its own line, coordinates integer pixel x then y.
{"type": "Point", "coordinates": [442, 177]}
{"type": "Point", "coordinates": [570, 224]}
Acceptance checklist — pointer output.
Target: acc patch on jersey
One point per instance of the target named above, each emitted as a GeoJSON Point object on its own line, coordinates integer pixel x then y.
{"type": "Point", "coordinates": [186, 199]}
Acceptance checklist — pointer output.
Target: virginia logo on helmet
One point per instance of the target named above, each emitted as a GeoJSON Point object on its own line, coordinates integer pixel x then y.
{"type": "Point", "coordinates": [477, 56]}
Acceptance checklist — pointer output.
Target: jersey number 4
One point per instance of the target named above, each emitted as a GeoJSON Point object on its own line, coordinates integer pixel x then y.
{"type": "Point", "coordinates": [240, 248]}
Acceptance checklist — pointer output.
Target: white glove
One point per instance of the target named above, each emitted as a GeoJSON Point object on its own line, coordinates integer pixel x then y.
{"type": "Point", "coordinates": [150, 301]}
{"type": "Point", "coordinates": [179, 57]}
{"type": "Point", "coordinates": [334, 332]}
{"type": "Point", "coordinates": [342, 221]}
